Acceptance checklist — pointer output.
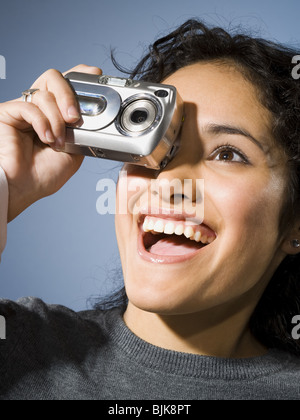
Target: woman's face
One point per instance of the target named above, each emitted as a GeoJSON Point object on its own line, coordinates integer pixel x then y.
{"type": "Point", "coordinates": [225, 141]}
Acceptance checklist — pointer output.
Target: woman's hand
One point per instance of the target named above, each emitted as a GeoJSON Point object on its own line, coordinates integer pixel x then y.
{"type": "Point", "coordinates": [33, 169]}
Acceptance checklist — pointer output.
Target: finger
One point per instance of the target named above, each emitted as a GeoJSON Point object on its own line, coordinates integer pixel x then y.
{"type": "Point", "coordinates": [83, 68]}
{"type": "Point", "coordinates": [53, 81]}
{"type": "Point", "coordinates": [22, 116]}
{"type": "Point", "coordinates": [46, 102]}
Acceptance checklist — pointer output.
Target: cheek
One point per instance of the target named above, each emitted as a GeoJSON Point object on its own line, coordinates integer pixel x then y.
{"type": "Point", "coordinates": [254, 202]}
{"type": "Point", "coordinates": [250, 213]}
{"type": "Point", "coordinates": [130, 191]}
{"type": "Point", "coordinates": [131, 196]}
{"type": "Point", "coordinates": [247, 239]}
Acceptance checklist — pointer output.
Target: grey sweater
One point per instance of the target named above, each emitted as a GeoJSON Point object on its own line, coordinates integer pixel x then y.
{"type": "Point", "coordinates": [51, 352]}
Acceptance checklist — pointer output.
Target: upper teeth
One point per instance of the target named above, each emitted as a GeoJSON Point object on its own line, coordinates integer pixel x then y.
{"type": "Point", "coordinates": [168, 227]}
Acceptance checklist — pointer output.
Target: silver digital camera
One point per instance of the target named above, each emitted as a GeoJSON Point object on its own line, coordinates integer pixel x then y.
{"type": "Point", "coordinates": [125, 120]}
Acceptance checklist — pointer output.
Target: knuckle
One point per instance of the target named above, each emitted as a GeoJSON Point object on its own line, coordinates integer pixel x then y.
{"type": "Point", "coordinates": [81, 66]}
{"type": "Point", "coordinates": [87, 69]}
{"type": "Point", "coordinates": [52, 73]}
{"type": "Point", "coordinates": [47, 76]}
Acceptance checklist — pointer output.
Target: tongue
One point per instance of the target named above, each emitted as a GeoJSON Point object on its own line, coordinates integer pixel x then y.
{"type": "Point", "coordinates": [175, 245]}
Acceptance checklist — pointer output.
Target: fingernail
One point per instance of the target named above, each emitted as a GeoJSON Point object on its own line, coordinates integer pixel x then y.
{"type": "Point", "coordinates": [59, 144]}
{"type": "Point", "coordinates": [73, 113]}
{"type": "Point", "coordinates": [49, 136]}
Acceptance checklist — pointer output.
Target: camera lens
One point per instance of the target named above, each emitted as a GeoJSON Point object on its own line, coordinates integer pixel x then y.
{"type": "Point", "coordinates": [139, 116]}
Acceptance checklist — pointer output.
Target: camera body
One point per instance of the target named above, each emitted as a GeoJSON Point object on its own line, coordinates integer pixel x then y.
{"type": "Point", "coordinates": [125, 120]}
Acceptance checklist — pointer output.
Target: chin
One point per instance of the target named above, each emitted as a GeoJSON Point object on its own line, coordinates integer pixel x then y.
{"type": "Point", "coordinates": [163, 295]}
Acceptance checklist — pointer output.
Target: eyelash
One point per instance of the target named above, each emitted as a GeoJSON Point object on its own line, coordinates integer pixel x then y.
{"type": "Point", "coordinates": [229, 147]}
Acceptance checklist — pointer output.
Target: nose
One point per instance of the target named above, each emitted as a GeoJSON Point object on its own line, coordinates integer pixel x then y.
{"type": "Point", "coordinates": [181, 183]}
{"type": "Point", "coordinates": [177, 185]}
{"type": "Point", "coordinates": [178, 188]}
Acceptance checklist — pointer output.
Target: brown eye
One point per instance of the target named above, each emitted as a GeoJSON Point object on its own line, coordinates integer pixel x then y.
{"type": "Point", "coordinates": [229, 154]}
{"type": "Point", "coordinates": [226, 156]}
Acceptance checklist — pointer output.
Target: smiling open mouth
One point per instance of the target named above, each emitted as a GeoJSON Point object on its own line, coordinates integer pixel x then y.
{"type": "Point", "coordinates": [174, 238]}
{"type": "Point", "coordinates": [170, 244]}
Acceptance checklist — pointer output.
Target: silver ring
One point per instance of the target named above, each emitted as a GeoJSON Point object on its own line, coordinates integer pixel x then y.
{"type": "Point", "coordinates": [27, 95]}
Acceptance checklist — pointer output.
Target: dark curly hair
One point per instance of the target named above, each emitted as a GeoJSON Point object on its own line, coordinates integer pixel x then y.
{"type": "Point", "coordinates": [268, 66]}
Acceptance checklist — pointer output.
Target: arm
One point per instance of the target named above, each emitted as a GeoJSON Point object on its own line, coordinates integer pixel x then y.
{"type": "Point", "coordinates": [32, 170]}
{"type": "Point", "coordinates": [3, 210]}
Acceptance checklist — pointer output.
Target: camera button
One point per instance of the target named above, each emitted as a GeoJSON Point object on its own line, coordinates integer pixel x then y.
{"type": "Point", "coordinates": [161, 93]}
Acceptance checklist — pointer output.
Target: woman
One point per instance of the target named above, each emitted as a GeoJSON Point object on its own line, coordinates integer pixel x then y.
{"type": "Point", "coordinates": [209, 314]}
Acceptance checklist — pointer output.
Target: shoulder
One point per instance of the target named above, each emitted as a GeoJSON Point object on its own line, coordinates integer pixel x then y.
{"type": "Point", "coordinates": [290, 367]}
{"type": "Point", "coordinates": [34, 309]}
{"type": "Point", "coordinates": [34, 327]}
{"type": "Point", "coordinates": [281, 380]}
{"type": "Point", "coordinates": [50, 351]}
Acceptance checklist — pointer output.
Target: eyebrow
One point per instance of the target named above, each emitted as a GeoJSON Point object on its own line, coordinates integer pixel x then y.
{"type": "Point", "coordinates": [229, 129]}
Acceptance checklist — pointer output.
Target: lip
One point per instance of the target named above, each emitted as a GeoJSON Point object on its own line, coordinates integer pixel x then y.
{"type": "Point", "coordinates": [164, 259]}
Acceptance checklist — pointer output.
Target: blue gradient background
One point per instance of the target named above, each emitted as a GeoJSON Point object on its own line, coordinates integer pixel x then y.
{"type": "Point", "coordinates": [60, 249]}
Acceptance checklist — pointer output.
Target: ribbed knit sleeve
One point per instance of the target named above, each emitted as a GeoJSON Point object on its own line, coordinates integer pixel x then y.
{"type": "Point", "coordinates": [3, 210]}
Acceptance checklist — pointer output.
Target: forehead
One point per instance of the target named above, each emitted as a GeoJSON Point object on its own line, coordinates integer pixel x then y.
{"type": "Point", "coordinates": [221, 94]}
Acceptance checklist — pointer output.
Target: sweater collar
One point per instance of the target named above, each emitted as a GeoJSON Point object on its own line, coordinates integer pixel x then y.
{"type": "Point", "coordinates": [185, 364]}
